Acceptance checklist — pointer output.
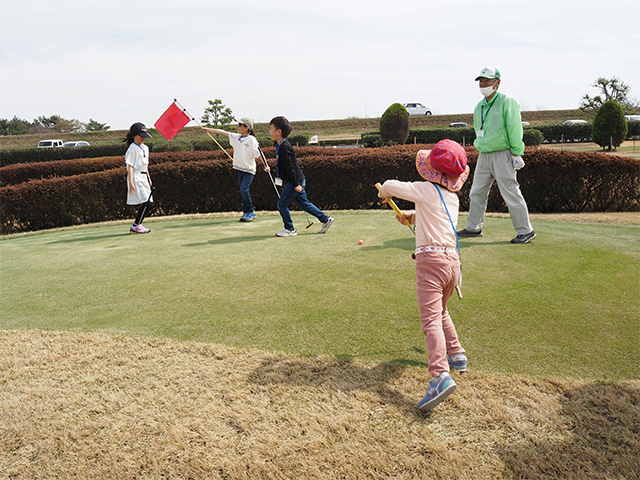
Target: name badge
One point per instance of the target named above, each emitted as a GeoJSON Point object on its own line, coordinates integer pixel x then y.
{"type": "Point", "coordinates": [278, 181]}
{"type": "Point", "coordinates": [480, 134]}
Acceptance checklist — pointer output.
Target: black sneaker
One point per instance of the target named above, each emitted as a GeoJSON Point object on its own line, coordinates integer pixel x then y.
{"type": "Point", "coordinates": [468, 233]}
{"type": "Point", "coordinates": [525, 238]}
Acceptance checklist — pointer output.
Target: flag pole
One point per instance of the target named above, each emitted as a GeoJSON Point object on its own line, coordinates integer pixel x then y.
{"type": "Point", "coordinates": [194, 119]}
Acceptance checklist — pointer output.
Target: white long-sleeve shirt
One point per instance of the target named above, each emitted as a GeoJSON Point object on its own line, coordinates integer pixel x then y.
{"type": "Point", "coordinates": [433, 227]}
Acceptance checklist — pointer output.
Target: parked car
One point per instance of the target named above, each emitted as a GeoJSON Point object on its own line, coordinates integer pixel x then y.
{"type": "Point", "coordinates": [417, 109]}
{"type": "Point", "coordinates": [459, 125]}
{"type": "Point", "coordinates": [525, 124]}
{"type": "Point", "coordinates": [573, 122]}
{"type": "Point", "coordinates": [49, 143]}
{"type": "Point", "coordinates": [632, 118]}
{"type": "Point", "coordinates": [76, 144]}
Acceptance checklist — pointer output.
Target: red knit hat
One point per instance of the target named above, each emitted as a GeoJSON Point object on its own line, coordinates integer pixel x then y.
{"type": "Point", "coordinates": [446, 164]}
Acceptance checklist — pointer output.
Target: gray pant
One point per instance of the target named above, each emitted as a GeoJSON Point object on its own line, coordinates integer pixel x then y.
{"type": "Point", "coordinates": [497, 166]}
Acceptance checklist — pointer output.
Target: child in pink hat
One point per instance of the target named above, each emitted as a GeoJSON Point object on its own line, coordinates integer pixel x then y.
{"type": "Point", "coordinates": [437, 257]}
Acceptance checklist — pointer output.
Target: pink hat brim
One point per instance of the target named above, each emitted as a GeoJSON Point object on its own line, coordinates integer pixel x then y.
{"type": "Point", "coordinates": [426, 171]}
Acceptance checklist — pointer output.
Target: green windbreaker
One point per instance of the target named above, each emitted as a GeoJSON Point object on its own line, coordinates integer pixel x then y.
{"type": "Point", "coordinates": [502, 125]}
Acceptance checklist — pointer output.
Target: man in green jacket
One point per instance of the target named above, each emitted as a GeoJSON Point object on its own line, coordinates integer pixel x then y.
{"type": "Point", "coordinates": [498, 126]}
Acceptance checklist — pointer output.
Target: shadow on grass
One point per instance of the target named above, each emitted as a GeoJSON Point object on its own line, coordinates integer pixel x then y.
{"type": "Point", "coordinates": [475, 243]}
{"type": "Point", "coordinates": [343, 374]}
{"type": "Point", "coordinates": [603, 441]}
{"type": "Point", "coordinates": [194, 224]}
{"type": "Point", "coordinates": [407, 244]}
{"type": "Point", "coordinates": [89, 238]}
{"type": "Point", "coordinates": [228, 240]}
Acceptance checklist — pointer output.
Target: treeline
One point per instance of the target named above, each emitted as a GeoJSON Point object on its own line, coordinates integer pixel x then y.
{"type": "Point", "coordinates": [51, 124]}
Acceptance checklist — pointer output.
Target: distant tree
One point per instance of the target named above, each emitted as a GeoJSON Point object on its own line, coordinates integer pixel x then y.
{"type": "Point", "coordinates": [610, 89]}
{"type": "Point", "coordinates": [609, 127]}
{"type": "Point", "coordinates": [216, 114]}
{"type": "Point", "coordinates": [15, 126]}
{"type": "Point", "coordinates": [47, 122]}
{"type": "Point", "coordinates": [94, 126]}
{"type": "Point", "coordinates": [394, 124]}
{"type": "Point", "coordinates": [66, 126]}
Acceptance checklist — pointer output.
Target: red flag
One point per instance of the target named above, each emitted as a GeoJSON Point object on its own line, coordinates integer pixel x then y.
{"type": "Point", "coordinates": [171, 121]}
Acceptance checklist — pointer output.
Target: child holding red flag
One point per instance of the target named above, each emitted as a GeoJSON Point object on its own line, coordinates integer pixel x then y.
{"type": "Point", "coordinates": [246, 152]}
{"type": "Point", "coordinates": [437, 257]}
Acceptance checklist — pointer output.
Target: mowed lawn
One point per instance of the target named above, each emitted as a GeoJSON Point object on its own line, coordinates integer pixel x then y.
{"type": "Point", "coordinates": [566, 305]}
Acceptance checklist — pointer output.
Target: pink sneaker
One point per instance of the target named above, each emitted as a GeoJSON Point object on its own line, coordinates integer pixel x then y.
{"type": "Point", "coordinates": [139, 229]}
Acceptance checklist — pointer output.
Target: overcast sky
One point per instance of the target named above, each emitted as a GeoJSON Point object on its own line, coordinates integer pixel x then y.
{"type": "Point", "coordinates": [119, 62]}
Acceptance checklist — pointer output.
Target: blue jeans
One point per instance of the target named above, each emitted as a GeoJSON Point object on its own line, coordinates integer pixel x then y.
{"type": "Point", "coordinates": [244, 180]}
{"type": "Point", "coordinates": [288, 195]}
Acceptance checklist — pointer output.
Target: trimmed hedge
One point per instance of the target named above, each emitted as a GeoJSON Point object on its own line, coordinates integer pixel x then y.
{"type": "Point", "coordinates": [552, 181]}
{"type": "Point", "coordinates": [532, 136]}
{"type": "Point", "coordinates": [32, 155]}
{"type": "Point", "coordinates": [464, 136]}
{"type": "Point", "coordinates": [35, 155]}
{"type": "Point", "coordinates": [24, 172]}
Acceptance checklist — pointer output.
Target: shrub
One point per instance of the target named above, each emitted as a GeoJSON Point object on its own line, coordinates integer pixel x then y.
{"type": "Point", "coordinates": [609, 125]}
{"type": "Point", "coordinates": [532, 137]}
{"type": "Point", "coordinates": [298, 140]}
{"type": "Point", "coordinates": [394, 124]}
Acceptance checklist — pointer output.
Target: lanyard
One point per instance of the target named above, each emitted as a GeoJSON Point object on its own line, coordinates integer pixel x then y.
{"type": "Point", "coordinates": [277, 162]}
{"type": "Point", "coordinates": [448, 215]}
{"type": "Point", "coordinates": [484, 115]}
{"type": "Point", "coordinates": [459, 282]}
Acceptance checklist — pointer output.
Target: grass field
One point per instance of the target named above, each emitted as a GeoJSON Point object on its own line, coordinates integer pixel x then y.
{"type": "Point", "coordinates": [222, 281]}
{"type": "Point", "coordinates": [212, 349]}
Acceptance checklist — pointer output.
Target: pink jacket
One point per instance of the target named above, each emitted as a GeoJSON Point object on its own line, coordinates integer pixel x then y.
{"type": "Point", "coordinates": [433, 227]}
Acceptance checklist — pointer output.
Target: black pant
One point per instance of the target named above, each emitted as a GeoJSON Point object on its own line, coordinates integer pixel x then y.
{"type": "Point", "coordinates": [144, 209]}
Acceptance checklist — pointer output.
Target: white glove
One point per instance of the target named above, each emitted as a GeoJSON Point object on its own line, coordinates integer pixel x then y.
{"type": "Point", "coordinates": [518, 163]}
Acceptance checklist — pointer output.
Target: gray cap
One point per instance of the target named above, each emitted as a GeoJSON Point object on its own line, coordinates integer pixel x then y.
{"type": "Point", "coordinates": [247, 121]}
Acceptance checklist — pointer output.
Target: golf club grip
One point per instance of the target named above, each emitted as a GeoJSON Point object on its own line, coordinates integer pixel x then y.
{"type": "Point", "coordinates": [395, 208]}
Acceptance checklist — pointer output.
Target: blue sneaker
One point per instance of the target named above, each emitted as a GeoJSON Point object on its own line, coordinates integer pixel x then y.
{"type": "Point", "coordinates": [458, 362]}
{"type": "Point", "coordinates": [439, 389]}
{"type": "Point", "coordinates": [247, 217]}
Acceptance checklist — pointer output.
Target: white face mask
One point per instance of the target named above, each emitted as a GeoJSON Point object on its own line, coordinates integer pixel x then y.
{"type": "Point", "coordinates": [487, 91]}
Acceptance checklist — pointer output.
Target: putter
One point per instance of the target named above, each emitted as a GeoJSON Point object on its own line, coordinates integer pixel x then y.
{"type": "Point", "coordinates": [309, 223]}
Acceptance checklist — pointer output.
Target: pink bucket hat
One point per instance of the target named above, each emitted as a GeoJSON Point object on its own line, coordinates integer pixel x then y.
{"type": "Point", "coordinates": [446, 164]}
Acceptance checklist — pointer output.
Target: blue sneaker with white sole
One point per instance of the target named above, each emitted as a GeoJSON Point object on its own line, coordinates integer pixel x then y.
{"type": "Point", "coordinates": [458, 362]}
{"type": "Point", "coordinates": [439, 389]}
{"type": "Point", "coordinates": [248, 216]}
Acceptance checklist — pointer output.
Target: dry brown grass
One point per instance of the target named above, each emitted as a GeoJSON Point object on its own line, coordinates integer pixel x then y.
{"type": "Point", "coordinates": [625, 219]}
{"type": "Point", "coordinates": [94, 406]}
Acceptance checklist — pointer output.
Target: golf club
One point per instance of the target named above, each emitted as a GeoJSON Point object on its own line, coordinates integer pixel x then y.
{"type": "Point", "coordinates": [309, 223]}
{"type": "Point", "coordinates": [144, 212]}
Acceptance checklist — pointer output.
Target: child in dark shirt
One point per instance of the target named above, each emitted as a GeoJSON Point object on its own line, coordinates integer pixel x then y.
{"type": "Point", "coordinates": [289, 172]}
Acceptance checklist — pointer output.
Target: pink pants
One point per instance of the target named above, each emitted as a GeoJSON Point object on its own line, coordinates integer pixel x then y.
{"type": "Point", "coordinates": [436, 277]}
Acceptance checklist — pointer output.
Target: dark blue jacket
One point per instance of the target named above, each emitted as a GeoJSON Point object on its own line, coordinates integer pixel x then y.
{"type": "Point", "coordinates": [287, 165]}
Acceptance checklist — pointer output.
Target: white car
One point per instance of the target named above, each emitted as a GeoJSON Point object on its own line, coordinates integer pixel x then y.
{"type": "Point", "coordinates": [632, 118]}
{"type": "Point", "coordinates": [417, 109]}
{"type": "Point", "coordinates": [49, 143]}
{"type": "Point", "coordinates": [573, 122]}
{"type": "Point", "coordinates": [76, 144]}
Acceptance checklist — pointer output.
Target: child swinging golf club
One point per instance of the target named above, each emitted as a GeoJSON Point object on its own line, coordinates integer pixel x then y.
{"type": "Point", "coordinates": [288, 171]}
{"type": "Point", "coordinates": [437, 257]}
